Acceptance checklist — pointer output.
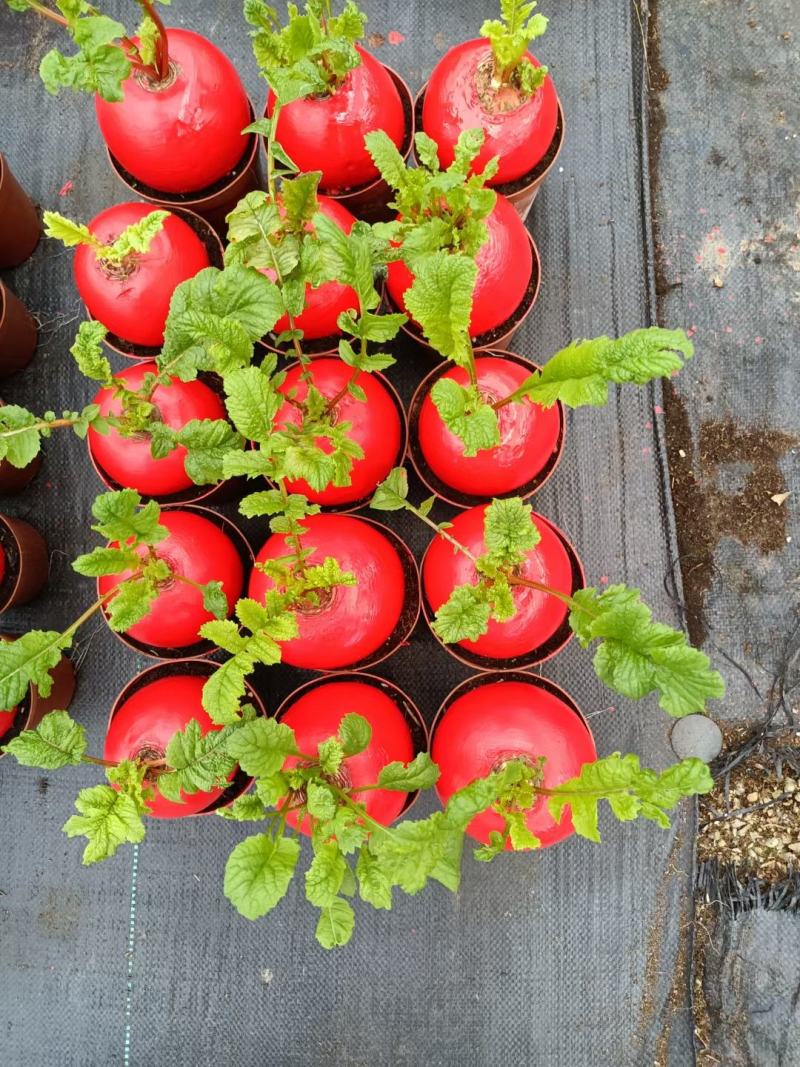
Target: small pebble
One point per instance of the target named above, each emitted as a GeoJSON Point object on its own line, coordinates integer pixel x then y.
{"type": "Point", "coordinates": [698, 736]}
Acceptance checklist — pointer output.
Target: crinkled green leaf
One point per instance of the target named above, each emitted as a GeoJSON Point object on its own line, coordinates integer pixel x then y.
{"type": "Point", "coordinates": [258, 873]}
{"type": "Point", "coordinates": [56, 742]}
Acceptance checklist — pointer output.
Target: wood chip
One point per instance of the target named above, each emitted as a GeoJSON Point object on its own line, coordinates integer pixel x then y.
{"type": "Point", "coordinates": [779, 498]}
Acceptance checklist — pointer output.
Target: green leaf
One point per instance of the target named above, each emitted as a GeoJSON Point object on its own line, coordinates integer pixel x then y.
{"type": "Point", "coordinates": [28, 660]}
{"type": "Point", "coordinates": [392, 493]}
{"type": "Point", "coordinates": [101, 561]}
{"type": "Point", "coordinates": [321, 801]}
{"type": "Point", "coordinates": [248, 808]}
{"type": "Point", "coordinates": [440, 300]}
{"type": "Point", "coordinates": [95, 69]}
{"type": "Point", "coordinates": [56, 742]}
{"type": "Point", "coordinates": [510, 38]}
{"type": "Point", "coordinates": [335, 926]}
{"type": "Point", "coordinates": [136, 238]}
{"type": "Point", "coordinates": [107, 818]}
{"type": "Point", "coordinates": [131, 602]}
{"type": "Point", "coordinates": [214, 600]}
{"type": "Point", "coordinates": [252, 402]}
{"type": "Point", "coordinates": [87, 352]}
{"type": "Point", "coordinates": [373, 885]}
{"type": "Point", "coordinates": [121, 516]}
{"type": "Point", "coordinates": [509, 532]}
{"type": "Point", "coordinates": [331, 754]}
{"type": "Point", "coordinates": [299, 197]}
{"type": "Point", "coordinates": [637, 656]}
{"type": "Point", "coordinates": [200, 762]}
{"type": "Point", "coordinates": [66, 231]}
{"type": "Point", "coordinates": [325, 875]}
{"type": "Point", "coordinates": [466, 414]}
{"type": "Point", "coordinates": [208, 443]}
{"type": "Point", "coordinates": [421, 773]}
{"type": "Point", "coordinates": [387, 158]}
{"type": "Point", "coordinates": [261, 747]}
{"type": "Point", "coordinates": [355, 733]}
{"type": "Point", "coordinates": [412, 851]}
{"type": "Point", "coordinates": [258, 873]}
{"type": "Point", "coordinates": [464, 616]}
{"type": "Point", "coordinates": [20, 440]}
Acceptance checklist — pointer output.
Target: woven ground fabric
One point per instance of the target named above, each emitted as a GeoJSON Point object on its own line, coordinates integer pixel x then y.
{"type": "Point", "coordinates": [569, 957]}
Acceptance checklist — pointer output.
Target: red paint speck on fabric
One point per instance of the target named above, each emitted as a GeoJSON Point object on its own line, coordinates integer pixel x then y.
{"type": "Point", "coordinates": [658, 409]}
{"type": "Point", "coordinates": [66, 188]}
{"type": "Point", "coordinates": [395, 37]}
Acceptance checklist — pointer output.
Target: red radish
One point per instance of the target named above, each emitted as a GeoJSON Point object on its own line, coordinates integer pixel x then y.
{"type": "Point", "coordinates": [355, 621]}
{"type": "Point", "coordinates": [146, 722]}
{"type": "Point", "coordinates": [530, 435]}
{"type": "Point", "coordinates": [196, 549]}
{"type": "Point", "coordinates": [539, 615]}
{"type": "Point", "coordinates": [327, 132]}
{"type": "Point", "coordinates": [131, 298]}
{"type": "Point", "coordinates": [489, 722]}
{"type": "Point", "coordinates": [504, 262]}
{"type": "Point", "coordinates": [315, 717]}
{"type": "Point", "coordinates": [7, 721]}
{"type": "Point", "coordinates": [518, 129]}
{"type": "Point", "coordinates": [183, 134]}
{"type": "Point", "coordinates": [128, 460]}
{"type": "Point", "coordinates": [325, 303]}
{"type": "Point", "coordinates": [376, 426]}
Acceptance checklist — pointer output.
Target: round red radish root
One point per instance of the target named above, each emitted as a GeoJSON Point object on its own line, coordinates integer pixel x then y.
{"type": "Point", "coordinates": [529, 435]}
{"type": "Point", "coordinates": [315, 716]}
{"type": "Point", "coordinates": [354, 621]}
{"type": "Point", "coordinates": [519, 136]}
{"type": "Point", "coordinates": [187, 134]}
{"type": "Point", "coordinates": [132, 299]}
{"type": "Point", "coordinates": [504, 720]}
{"type": "Point", "coordinates": [128, 460]}
{"type": "Point", "coordinates": [376, 426]}
{"type": "Point", "coordinates": [324, 304]}
{"type": "Point", "coordinates": [327, 133]}
{"type": "Point", "coordinates": [147, 721]}
{"type": "Point", "coordinates": [196, 549]}
{"type": "Point", "coordinates": [505, 262]}
{"type": "Point", "coordinates": [539, 615]}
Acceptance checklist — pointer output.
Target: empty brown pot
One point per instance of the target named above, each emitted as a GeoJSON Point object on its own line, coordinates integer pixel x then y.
{"type": "Point", "coordinates": [26, 562]}
{"type": "Point", "coordinates": [20, 226]}
{"type": "Point", "coordinates": [18, 333]}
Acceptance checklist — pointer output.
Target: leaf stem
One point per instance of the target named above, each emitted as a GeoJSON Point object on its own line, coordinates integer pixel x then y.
{"type": "Point", "coordinates": [359, 809]}
{"type": "Point", "coordinates": [41, 424]}
{"type": "Point", "coordinates": [518, 393]}
{"type": "Point", "coordinates": [47, 12]}
{"type": "Point", "coordinates": [162, 50]}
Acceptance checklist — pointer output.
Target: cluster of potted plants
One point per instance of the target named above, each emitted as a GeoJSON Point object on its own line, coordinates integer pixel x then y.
{"type": "Point", "coordinates": [255, 371]}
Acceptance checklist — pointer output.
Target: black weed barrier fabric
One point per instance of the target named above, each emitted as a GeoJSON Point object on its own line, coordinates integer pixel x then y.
{"type": "Point", "coordinates": [570, 957]}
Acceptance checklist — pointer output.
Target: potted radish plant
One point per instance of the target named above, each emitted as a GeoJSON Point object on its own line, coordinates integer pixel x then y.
{"type": "Point", "coordinates": [495, 84]}
{"type": "Point", "coordinates": [493, 425]}
{"type": "Point", "coordinates": [327, 90]}
{"type": "Point", "coordinates": [634, 655]}
{"type": "Point", "coordinates": [128, 263]}
{"type": "Point", "coordinates": [145, 85]}
{"type": "Point", "coordinates": [455, 237]}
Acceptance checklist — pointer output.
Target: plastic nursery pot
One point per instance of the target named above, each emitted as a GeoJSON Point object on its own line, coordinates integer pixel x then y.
{"type": "Point", "coordinates": [214, 202]}
{"type": "Point", "coordinates": [29, 713]}
{"type": "Point", "coordinates": [20, 226]}
{"type": "Point", "coordinates": [379, 426]}
{"type": "Point", "coordinates": [151, 709]}
{"type": "Point", "coordinates": [521, 191]}
{"type": "Point", "coordinates": [314, 712]}
{"type": "Point", "coordinates": [490, 719]}
{"type": "Point", "coordinates": [539, 629]}
{"type": "Point", "coordinates": [15, 479]}
{"type": "Point", "coordinates": [532, 437]}
{"type": "Point", "coordinates": [370, 201]}
{"type": "Point", "coordinates": [214, 251]}
{"type": "Point", "coordinates": [19, 333]}
{"type": "Point", "coordinates": [204, 546]}
{"type": "Point", "coordinates": [24, 562]}
{"type": "Point", "coordinates": [357, 626]}
{"type": "Point", "coordinates": [127, 463]}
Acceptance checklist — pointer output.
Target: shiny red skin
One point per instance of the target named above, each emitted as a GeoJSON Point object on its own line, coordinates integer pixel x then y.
{"type": "Point", "coordinates": [135, 307]}
{"type": "Point", "coordinates": [539, 615]}
{"type": "Point", "coordinates": [7, 721]}
{"type": "Point", "coordinates": [376, 426]}
{"type": "Point", "coordinates": [520, 137]}
{"type": "Point", "coordinates": [198, 549]}
{"type": "Point", "coordinates": [149, 719]}
{"type": "Point", "coordinates": [324, 304]}
{"type": "Point", "coordinates": [529, 435]}
{"type": "Point", "coordinates": [187, 136]}
{"type": "Point", "coordinates": [505, 262]}
{"type": "Point", "coordinates": [502, 720]}
{"type": "Point", "coordinates": [315, 717]}
{"type": "Point", "coordinates": [359, 618]}
{"type": "Point", "coordinates": [328, 133]}
{"type": "Point", "coordinates": [127, 460]}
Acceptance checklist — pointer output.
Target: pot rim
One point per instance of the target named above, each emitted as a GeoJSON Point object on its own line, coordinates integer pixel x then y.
{"type": "Point", "coordinates": [240, 782]}
{"type": "Point", "coordinates": [420, 735]}
{"type": "Point", "coordinates": [9, 532]}
{"type": "Point", "coordinates": [551, 647]}
{"type": "Point", "coordinates": [202, 648]}
{"type": "Point", "coordinates": [440, 488]}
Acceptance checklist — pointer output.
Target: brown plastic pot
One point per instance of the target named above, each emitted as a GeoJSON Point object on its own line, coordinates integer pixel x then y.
{"type": "Point", "coordinates": [201, 648]}
{"type": "Point", "coordinates": [410, 711]}
{"type": "Point", "coordinates": [241, 782]}
{"type": "Point", "coordinates": [214, 247]}
{"type": "Point", "coordinates": [34, 706]}
{"type": "Point", "coordinates": [522, 191]}
{"type": "Point", "coordinates": [501, 336]}
{"type": "Point", "coordinates": [27, 562]}
{"type": "Point", "coordinates": [213, 203]}
{"type": "Point", "coordinates": [442, 489]}
{"type": "Point", "coordinates": [19, 333]}
{"type": "Point", "coordinates": [371, 201]}
{"type": "Point", "coordinates": [546, 651]}
{"type": "Point", "coordinates": [14, 479]}
{"type": "Point", "coordinates": [20, 226]}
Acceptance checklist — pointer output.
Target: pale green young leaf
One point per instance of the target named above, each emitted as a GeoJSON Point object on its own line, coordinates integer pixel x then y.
{"type": "Point", "coordinates": [28, 660]}
{"type": "Point", "coordinates": [464, 616]}
{"type": "Point", "coordinates": [208, 443]}
{"type": "Point", "coordinates": [421, 773]}
{"type": "Point", "coordinates": [299, 196]}
{"type": "Point", "coordinates": [87, 352]}
{"type": "Point", "coordinates": [325, 875]}
{"type": "Point", "coordinates": [108, 818]}
{"type": "Point", "coordinates": [440, 300]}
{"type": "Point", "coordinates": [131, 602]}
{"type": "Point", "coordinates": [69, 233]}
{"type": "Point", "coordinates": [321, 804]}
{"type": "Point", "coordinates": [392, 493]}
{"type": "Point", "coordinates": [121, 516]}
{"type": "Point", "coordinates": [260, 747]}
{"type": "Point", "coordinates": [355, 733]}
{"type": "Point", "coordinates": [214, 599]}
{"type": "Point", "coordinates": [510, 38]}
{"type": "Point", "coordinates": [136, 238]}
{"type": "Point", "coordinates": [100, 69]}
{"type": "Point", "coordinates": [248, 808]}
{"type": "Point", "coordinates": [373, 885]}
{"type": "Point", "coordinates": [57, 741]}
{"type": "Point", "coordinates": [252, 402]}
{"type": "Point", "coordinates": [335, 925]}
{"type": "Point", "coordinates": [101, 561]}
{"type": "Point", "coordinates": [200, 762]}
{"type": "Point", "coordinates": [20, 435]}
{"type": "Point", "coordinates": [331, 755]}
{"type": "Point", "coordinates": [387, 159]}
{"type": "Point", "coordinates": [258, 873]}
{"type": "Point", "coordinates": [509, 532]}
{"type": "Point", "coordinates": [466, 414]}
